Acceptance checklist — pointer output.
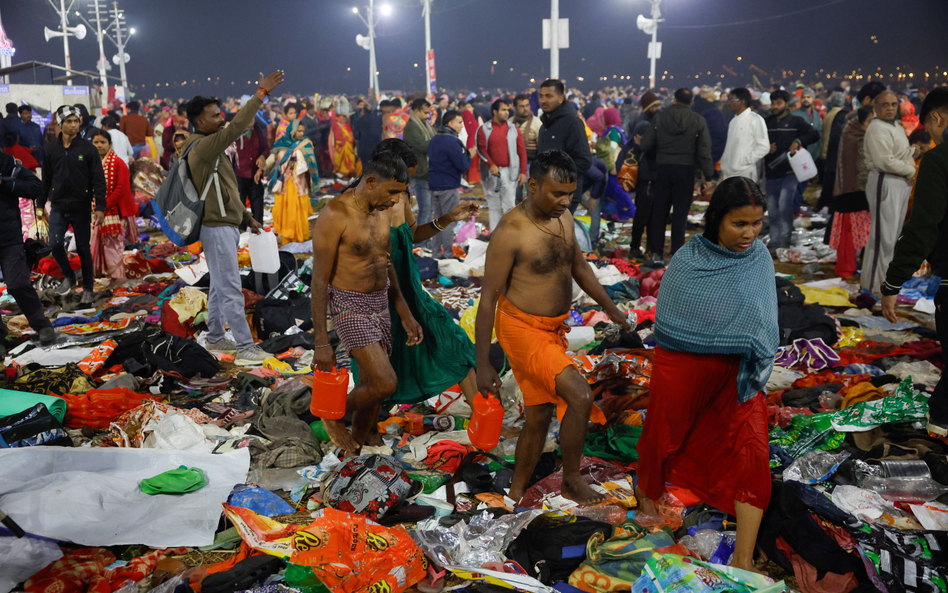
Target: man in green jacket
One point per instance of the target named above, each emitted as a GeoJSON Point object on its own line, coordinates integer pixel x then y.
{"type": "Point", "coordinates": [223, 213]}
{"type": "Point", "coordinates": [925, 236]}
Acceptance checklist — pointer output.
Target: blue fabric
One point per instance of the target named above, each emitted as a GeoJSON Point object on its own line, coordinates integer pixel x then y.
{"type": "Point", "coordinates": [863, 369]}
{"type": "Point", "coordinates": [263, 502]}
{"type": "Point", "coordinates": [780, 193]}
{"type": "Point", "coordinates": [716, 301]}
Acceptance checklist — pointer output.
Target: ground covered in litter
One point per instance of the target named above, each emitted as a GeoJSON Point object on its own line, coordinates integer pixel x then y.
{"type": "Point", "coordinates": [134, 460]}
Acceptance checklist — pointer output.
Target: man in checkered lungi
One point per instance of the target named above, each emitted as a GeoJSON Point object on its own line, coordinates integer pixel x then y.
{"type": "Point", "coordinates": [353, 280]}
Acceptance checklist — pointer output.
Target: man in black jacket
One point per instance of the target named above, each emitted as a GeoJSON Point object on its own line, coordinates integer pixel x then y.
{"type": "Point", "coordinates": [367, 131]}
{"type": "Point", "coordinates": [681, 139]}
{"type": "Point", "coordinates": [788, 133]}
{"type": "Point", "coordinates": [563, 130]}
{"type": "Point", "coordinates": [72, 177]}
{"type": "Point", "coordinates": [17, 182]}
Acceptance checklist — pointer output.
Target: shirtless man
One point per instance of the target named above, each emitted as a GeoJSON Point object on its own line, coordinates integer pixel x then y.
{"type": "Point", "coordinates": [353, 277]}
{"type": "Point", "coordinates": [532, 258]}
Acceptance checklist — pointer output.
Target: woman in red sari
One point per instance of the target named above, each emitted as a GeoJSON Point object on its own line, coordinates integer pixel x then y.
{"type": "Point", "coordinates": [108, 239]}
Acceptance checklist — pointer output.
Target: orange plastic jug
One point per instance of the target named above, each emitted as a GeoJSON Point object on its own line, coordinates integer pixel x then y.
{"type": "Point", "coordinates": [329, 393]}
{"type": "Point", "coordinates": [486, 422]}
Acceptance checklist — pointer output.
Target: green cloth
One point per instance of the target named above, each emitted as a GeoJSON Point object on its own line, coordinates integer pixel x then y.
{"type": "Point", "coordinates": [14, 402]}
{"type": "Point", "coordinates": [618, 443]}
{"type": "Point", "coordinates": [444, 357]}
{"type": "Point", "coordinates": [175, 481]}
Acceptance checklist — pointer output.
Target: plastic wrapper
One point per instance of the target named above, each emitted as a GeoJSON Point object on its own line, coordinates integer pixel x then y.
{"type": "Point", "coordinates": [905, 560]}
{"type": "Point", "coordinates": [21, 558]}
{"type": "Point", "coordinates": [797, 441]}
{"type": "Point", "coordinates": [603, 477]}
{"type": "Point", "coordinates": [471, 544]}
{"type": "Point", "coordinates": [346, 552]}
{"type": "Point", "coordinates": [670, 573]}
{"type": "Point", "coordinates": [670, 514]}
{"type": "Point", "coordinates": [636, 368]}
{"type": "Point", "coordinates": [814, 467]}
{"type": "Point", "coordinates": [176, 432]}
{"type": "Point", "coordinates": [716, 547]}
{"type": "Point", "coordinates": [861, 503]}
{"type": "Point", "coordinates": [931, 515]}
{"type": "Point", "coordinates": [908, 405]}
{"type": "Point", "coordinates": [275, 478]}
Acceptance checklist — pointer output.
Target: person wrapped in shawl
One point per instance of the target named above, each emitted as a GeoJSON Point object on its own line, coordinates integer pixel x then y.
{"type": "Point", "coordinates": [294, 182]}
{"type": "Point", "coordinates": [716, 335]}
{"type": "Point", "coordinates": [108, 238]}
{"type": "Point", "coordinates": [342, 148]}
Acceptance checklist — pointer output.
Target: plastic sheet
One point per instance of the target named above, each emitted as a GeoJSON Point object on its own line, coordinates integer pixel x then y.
{"type": "Point", "coordinates": [908, 405]}
{"type": "Point", "coordinates": [473, 543]}
{"type": "Point", "coordinates": [90, 496]}
{"type": "Point", "coordinates": [670, 573]}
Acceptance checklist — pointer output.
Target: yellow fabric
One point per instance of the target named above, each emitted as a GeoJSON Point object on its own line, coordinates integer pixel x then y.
{"type": "Point", "coordinates": [828, 297]}
{"type": "Point", "coordinates": [188, 303]}
{"type": "Point", "coordinates": [851, 337]}
{"type": "Point", "coordinates": [291, 213]}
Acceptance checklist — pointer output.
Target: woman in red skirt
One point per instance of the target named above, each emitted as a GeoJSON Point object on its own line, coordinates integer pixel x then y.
{"type": "Point", "coordinates": [716, 333]}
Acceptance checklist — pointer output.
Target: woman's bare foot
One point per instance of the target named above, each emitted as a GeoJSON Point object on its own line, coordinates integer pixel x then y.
{"type": "Point", "coordinates": [340, 437]}
{"type": "Point", "coordinates": [577, 490]}
{"type": "Point", "coordinates": [646, 504]}
{"type": "Point", "coordinates": [746, 564]}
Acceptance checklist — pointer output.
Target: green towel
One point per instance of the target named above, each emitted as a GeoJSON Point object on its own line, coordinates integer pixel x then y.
{"type": "Point", "coordinates": [13, 402]}
{"type": "Point", "coordinates": [618, 443]}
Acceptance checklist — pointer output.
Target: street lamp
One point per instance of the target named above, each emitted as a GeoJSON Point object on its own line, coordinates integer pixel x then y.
{"type": "Point", "coordinates": [368, 43]}
{"type": "Point", "coordinates": [650, 27]}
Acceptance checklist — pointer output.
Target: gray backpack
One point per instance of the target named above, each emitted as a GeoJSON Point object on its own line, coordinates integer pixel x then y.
{"type": "Point", "coordinates": [177, 206]}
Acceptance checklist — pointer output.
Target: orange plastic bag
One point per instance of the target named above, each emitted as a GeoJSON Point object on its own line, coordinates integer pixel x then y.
{"type": "Point", "coordinates": [347, 552]}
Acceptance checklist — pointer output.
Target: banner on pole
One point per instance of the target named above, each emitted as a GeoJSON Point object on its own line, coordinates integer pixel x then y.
{"type": "Point", "coordinates": [562, 33]}
{"type": "Point", "coordinates": [431, 71]}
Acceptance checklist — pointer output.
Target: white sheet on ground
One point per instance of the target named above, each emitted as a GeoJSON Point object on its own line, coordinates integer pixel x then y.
{"type": "Point", "coordinates": [53, 358]}
{"type": "Point", "coordinates": [90, 496]}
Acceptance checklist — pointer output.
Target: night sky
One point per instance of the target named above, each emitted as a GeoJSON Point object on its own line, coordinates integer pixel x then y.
{"type": "Point", "coordinates": [314, 41]}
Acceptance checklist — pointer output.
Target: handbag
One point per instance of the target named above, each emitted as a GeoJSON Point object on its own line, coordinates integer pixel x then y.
{"type": "Point", "coordinates": [629, 173]}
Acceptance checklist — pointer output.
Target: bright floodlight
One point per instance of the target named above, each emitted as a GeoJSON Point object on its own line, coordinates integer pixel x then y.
{"type": "Point", "coordinates": [355, 10]}
{"type": "Point", "coordinates": [131, 31]}
{"type": "Point", "coordinates": [386, 10]}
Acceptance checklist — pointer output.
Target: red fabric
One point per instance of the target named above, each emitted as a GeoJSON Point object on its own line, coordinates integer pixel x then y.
{"type": "Point", "coordinates": [496, 147]}
{"type": "Point", "coordinates": [651, 282]}
{"type": "Point", "coordinates": [928, 350]}
{"type": "Point", "coordinates": [846, 253]}
{"type": "Point", "coordinates": [118, 184]}
{"type": "Point", "coordinates": [170, 323]}
{"type": "Point", "coordinates": [825, 377]}
{"type": "Point", "coordinates": [870, 350]}
{"type": "Point", "coordinates": [698, 436]}
{"type": "Point", "coordinates": [808, 578]}
{"type": "Point", "coordinates": [48, 266]}
{"type": "Point", "coordinates": [446, 456]}
{"type": "Point", "coordinates": [22, 154]}
{"type": "Point", "coordinates": [83, 570]}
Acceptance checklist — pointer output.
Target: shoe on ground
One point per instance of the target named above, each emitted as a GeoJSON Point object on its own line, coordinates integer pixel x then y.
{"type": "Point", "coordinates": [936, 427]}
{"type": "Point", "coordinates": [252, 356]}
{"type": "Point", "coordinates": [88, 298]}
{"type": "Point", "coordinates": [66, 286]}
{"type": "Point", "coordinates": [47, 336]}
{"type": "Point", "coordinates": [223, 345]}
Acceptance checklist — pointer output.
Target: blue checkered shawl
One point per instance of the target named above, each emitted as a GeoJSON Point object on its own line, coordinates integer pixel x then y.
{"type": "Point", "coordinates": [717, 301]}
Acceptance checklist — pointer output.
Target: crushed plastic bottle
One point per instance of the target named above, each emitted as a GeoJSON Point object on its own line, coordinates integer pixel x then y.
{"type": "Point", "coordinates": [814, 467]}
{"type": "Point", "coordinates": [713, 546]}
{"type": "Point", "coordinates": [611, 514]}
{"type": "Point", "coordinates": [904, 489]}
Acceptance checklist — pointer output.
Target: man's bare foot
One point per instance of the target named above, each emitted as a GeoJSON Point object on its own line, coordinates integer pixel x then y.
{"type": "Point", "coordinates": [646, 504]}
{"type": "Point", "coordinates": [577, 490]}
{"type": "Point", "coordinates": [515, 494]}
{"type": "Point", "coordinates": [374, 439]}
{"type": "Point", "coordinates": [340, 437]}
{"type": "Point", "coordinates": [747, 565]}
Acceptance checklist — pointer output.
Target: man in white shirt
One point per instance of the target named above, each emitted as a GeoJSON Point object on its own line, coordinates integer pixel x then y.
{"type": "Point", "coordinates": [120, 144]}
{"type": "Point", "coordinates": [891, 163]}
{"type": "Point", "coordinates": [747, 140]}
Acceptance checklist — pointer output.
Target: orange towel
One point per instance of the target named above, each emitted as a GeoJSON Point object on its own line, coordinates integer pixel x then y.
{"type": "Point", "coordinates": [536, 349]}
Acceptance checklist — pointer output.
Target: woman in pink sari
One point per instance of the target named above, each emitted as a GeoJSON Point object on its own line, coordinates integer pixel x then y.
{"type": "Point", "coordinates": [108, 239]}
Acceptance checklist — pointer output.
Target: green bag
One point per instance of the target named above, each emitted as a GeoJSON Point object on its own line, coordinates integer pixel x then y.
{"type": "Point", "coordinates": [175, 481]}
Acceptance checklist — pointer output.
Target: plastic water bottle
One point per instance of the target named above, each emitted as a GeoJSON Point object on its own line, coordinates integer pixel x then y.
{"type": "Point", "coordinates": [610, 513]}
{"type": "Point", "coordinates": [905, 489]}
{"type": "Point", "coordinates": [264, 253]}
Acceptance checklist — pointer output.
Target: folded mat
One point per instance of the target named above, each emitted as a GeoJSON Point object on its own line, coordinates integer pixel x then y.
{"type": "Point", "coordinates": [12, 402]}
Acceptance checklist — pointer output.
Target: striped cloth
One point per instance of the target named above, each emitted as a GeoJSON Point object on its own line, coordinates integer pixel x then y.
{"type": "Point", "coordinates": [361, 319]}
{"type": "Point", "coordinates": [717, 301]}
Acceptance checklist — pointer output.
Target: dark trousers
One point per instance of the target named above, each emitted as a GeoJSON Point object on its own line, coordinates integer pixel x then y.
{"type": "Point", "coordinates": [674, 189]}
{"type": "Point", "coordinates": [938, 404]}
{"type": "Point", "coordinates": [81, 222]}
{"type": "Point", "coordinates": [644, 199]}
{"type": "Point", "coordinates": [16, 274]}
{"type": "Point", "coordinates": [254, 192]}
{"type": "Point", "coordinates": [578, 195]}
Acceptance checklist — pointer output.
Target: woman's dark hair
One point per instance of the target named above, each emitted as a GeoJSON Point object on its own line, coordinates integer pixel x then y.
{"type": "Point", "coordinates": [730, 194]}
{"type": "Point", "coordinates": [195, 107]}
{"type": "Point", "coordinates": [555, 163]}
{"type": "Point", "coordinates": [400, 148]}
{"type": "Point", "coordinates": [102, 133]}
{"type": "Point", "coordinates": [920, 137]}
{"type": "Point", "coordinates": [863, 113]}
